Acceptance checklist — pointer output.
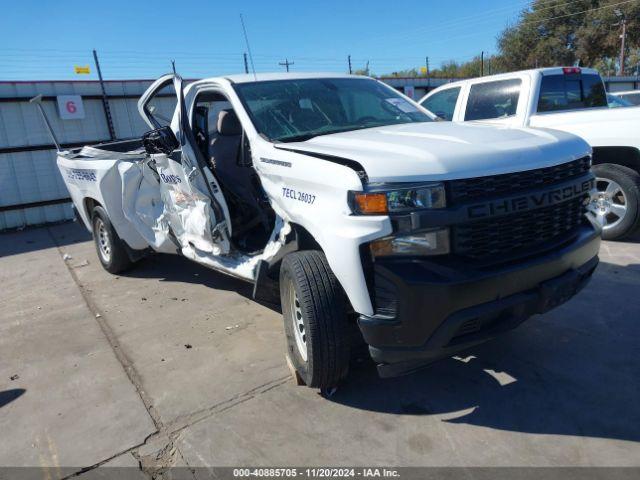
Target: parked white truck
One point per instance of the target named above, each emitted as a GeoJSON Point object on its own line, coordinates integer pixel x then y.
{"type": "Point", "coordinates": [571, 99]}
{"type": "Point", "coordinates": [346, 200]}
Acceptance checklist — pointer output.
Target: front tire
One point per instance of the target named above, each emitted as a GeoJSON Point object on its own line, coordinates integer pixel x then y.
{"type": "Point", "coordinates": [314, 308]}
{"type": "Point", "coordinates": [110, 247]}
{"type": "Point", "coordinates": [616, 205]}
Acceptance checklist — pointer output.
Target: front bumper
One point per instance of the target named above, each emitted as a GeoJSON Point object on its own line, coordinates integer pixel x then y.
{"type": "Point", "coordinates": [434, 309]}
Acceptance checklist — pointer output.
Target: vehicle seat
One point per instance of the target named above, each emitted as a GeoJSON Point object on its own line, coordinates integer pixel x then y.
{"type": "Point", "coordinates": [238, 182]}
{"type": "Point", "coordinates": [224, 147]}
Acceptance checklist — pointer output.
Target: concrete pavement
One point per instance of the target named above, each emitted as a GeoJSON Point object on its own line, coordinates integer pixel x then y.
{"type": "Point", "coordinates": [173, 364]}
{"type": "Point", "coordinates": [66, 399]}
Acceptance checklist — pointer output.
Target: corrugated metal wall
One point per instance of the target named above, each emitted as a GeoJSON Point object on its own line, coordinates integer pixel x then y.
{"type": "Point", "coordinates": [29, 175]}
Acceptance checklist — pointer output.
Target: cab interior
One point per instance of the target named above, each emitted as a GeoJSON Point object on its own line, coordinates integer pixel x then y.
{"type": "Point", "coordinates": [223, 143]}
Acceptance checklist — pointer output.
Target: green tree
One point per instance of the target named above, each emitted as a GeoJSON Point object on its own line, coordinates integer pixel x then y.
{"type": "Point", "coordinates": [412, 72]}
{"type": "Point", "coordinates": [563, 33]}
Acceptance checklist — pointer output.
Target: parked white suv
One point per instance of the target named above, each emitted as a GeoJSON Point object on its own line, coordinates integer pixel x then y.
{"type": "Point", "coordinates": [571, 99]}
{"type": "Point", "coordinates": [344, 200]}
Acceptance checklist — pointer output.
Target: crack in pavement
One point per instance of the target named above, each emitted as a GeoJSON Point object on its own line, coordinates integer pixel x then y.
{"type": "Point", "coordinates": [191, 419]}
{"type": "Point", "coordinates": [119, 352]}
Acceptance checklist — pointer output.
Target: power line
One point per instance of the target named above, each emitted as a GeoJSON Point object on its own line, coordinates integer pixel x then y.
{"type": "Point", "coordinates": [487, 15]}
{"type": "Point", "coordinates": [537, 22]}
{"type": "Point", "coordinates": [473, 21]}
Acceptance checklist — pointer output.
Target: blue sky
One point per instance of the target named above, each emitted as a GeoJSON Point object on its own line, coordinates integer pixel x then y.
{"type": "Point", "coordinates": [135, 39]}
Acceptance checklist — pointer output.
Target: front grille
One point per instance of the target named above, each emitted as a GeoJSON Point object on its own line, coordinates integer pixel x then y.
{"type": "Point", "coordinates": [470, 326]}
{"type": "Point", "coordinates": [518, 233]}
{"type": "Point", "coordinates": [483, 188]}
{"type": "Point", "coordinates": [386, 297]}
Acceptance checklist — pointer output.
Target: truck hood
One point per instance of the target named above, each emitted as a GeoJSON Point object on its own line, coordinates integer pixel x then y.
{"type": "Point", "coordinates": [445, 151]}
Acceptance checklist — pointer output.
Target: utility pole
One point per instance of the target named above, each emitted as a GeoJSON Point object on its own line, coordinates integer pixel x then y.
{"type": "Point", "coordinates": [105, 100]}
{"type": "Point", "coordinates": [367, 68]}
{"type": "Point", "coordinates": [489, 65]}
{"type": "Point", "coordinates": [623, 36]}
{"type": "Point", "coordinates": [349, 60]}
{"type": "Point", "coordinates": [623, 21]}
{"type": "Point", "coordinates": [428, 76]}
{"type": "Point", "coordinates": [482, 63]}
{"type": "Point", "coordinates": [246, 64]}
{"type": "Point", "coordinates": [286, 63]}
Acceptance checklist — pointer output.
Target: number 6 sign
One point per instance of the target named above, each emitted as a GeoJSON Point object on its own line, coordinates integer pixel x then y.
{"type": "Point", "coordinates": [70, 107]}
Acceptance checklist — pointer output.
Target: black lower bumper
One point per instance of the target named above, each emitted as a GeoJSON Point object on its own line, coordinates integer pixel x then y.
{"type": "Point", "coordinates": [433, 309]}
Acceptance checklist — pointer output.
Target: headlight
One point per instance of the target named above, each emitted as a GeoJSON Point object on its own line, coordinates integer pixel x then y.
{"type": "Point", "coordinates": [433, 242]}
{"type": "Point", "coordinates": [386, 199]}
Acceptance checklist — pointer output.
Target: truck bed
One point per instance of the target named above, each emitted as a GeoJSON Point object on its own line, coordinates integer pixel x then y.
{"type": "Point", "coordinates": [112, 175]}
{"type": "Point", "coordinates": [118, 149]}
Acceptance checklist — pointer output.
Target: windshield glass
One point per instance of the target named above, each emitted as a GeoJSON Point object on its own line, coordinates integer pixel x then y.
{"type": "Point", "coordinates": [617, 102]}
{"type": "Point", "coordinates": [633, 98]}
{"type": "Point", "coordinates": [297, 110]}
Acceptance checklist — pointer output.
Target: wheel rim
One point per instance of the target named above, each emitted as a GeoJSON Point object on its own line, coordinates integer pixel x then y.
{"type": "Point", "coordinates": [103, 240]}
{"type": "Point", "coordinates": [299, 331]}
{"type": "Point", "coordinates": [608, 203]}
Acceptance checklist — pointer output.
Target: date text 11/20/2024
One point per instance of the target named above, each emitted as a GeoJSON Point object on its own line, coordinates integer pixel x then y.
{"type": "Point", "coordinates": [316, 472]}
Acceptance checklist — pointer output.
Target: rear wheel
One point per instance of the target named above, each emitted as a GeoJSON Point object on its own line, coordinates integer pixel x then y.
{"type": "Point", "coordinates": [110, 247]}
{"type": "Point", "coordinates": [616, 204]}
{"type": "Point", "coordinates": [315, 319]}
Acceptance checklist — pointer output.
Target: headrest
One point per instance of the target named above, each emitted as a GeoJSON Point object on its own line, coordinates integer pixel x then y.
{"type": "Point", "coordinates": [228, 123]}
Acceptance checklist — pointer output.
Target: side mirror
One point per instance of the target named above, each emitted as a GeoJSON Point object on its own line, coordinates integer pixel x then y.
{"type": "Point", "coordinates": [161, 140]}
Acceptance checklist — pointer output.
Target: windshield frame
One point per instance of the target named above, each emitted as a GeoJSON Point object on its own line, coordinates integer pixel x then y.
{"type": "Point", "coordinates": [310, 135]}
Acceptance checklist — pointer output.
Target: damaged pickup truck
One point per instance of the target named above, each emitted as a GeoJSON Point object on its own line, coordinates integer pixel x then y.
{"type": "Point", "coordinates": [350, 205]}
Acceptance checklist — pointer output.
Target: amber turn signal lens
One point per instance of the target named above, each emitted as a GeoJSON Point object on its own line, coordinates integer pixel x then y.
{"type": "Point", "coordinates": [371, 202]}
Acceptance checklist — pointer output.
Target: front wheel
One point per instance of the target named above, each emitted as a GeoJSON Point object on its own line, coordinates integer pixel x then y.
{"type": "Point", "coordinates": [315, 319]}
{"type": "Point", "coordinates": [110, 247]}
{"type": "Point", "coordinates": [616, 203]}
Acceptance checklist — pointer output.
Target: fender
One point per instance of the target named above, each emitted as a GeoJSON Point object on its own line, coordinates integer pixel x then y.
{"type": "Point", "coordinates": [352, 164]}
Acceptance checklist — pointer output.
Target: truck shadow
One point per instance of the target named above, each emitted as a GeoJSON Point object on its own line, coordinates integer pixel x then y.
{"type": "Point", "coordinates": [8, 396]}
{"type": "Point", "coordinates": [573, 371]}
{"type": "Point", "coordinates": [31, 239]}
{"type": "Point", "coordinates": [174, 268]}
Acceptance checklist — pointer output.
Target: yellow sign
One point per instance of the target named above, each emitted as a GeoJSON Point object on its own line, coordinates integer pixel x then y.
{"type": "Point", "coordinates": [423, 70]}
{"type": "Point", "coordinates": [82, 70]}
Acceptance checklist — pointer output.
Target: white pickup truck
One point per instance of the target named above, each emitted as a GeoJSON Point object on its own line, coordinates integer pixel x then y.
{"type": "Point", "coordinates": [350, 204]}
{"type": "Point", "coordinates": [571, 99]}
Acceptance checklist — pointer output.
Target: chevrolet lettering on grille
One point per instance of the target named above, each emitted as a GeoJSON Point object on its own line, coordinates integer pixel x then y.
{"type": "Point", "coordinates": [530, 201]}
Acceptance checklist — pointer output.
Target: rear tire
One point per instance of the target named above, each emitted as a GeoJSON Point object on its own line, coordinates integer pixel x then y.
{"type": "Point", "coordinates": [314, 309]}
{"type": "Point", "coordinates": [617, 202]}
{"type": "Point", "coordinates": [111, 249]}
